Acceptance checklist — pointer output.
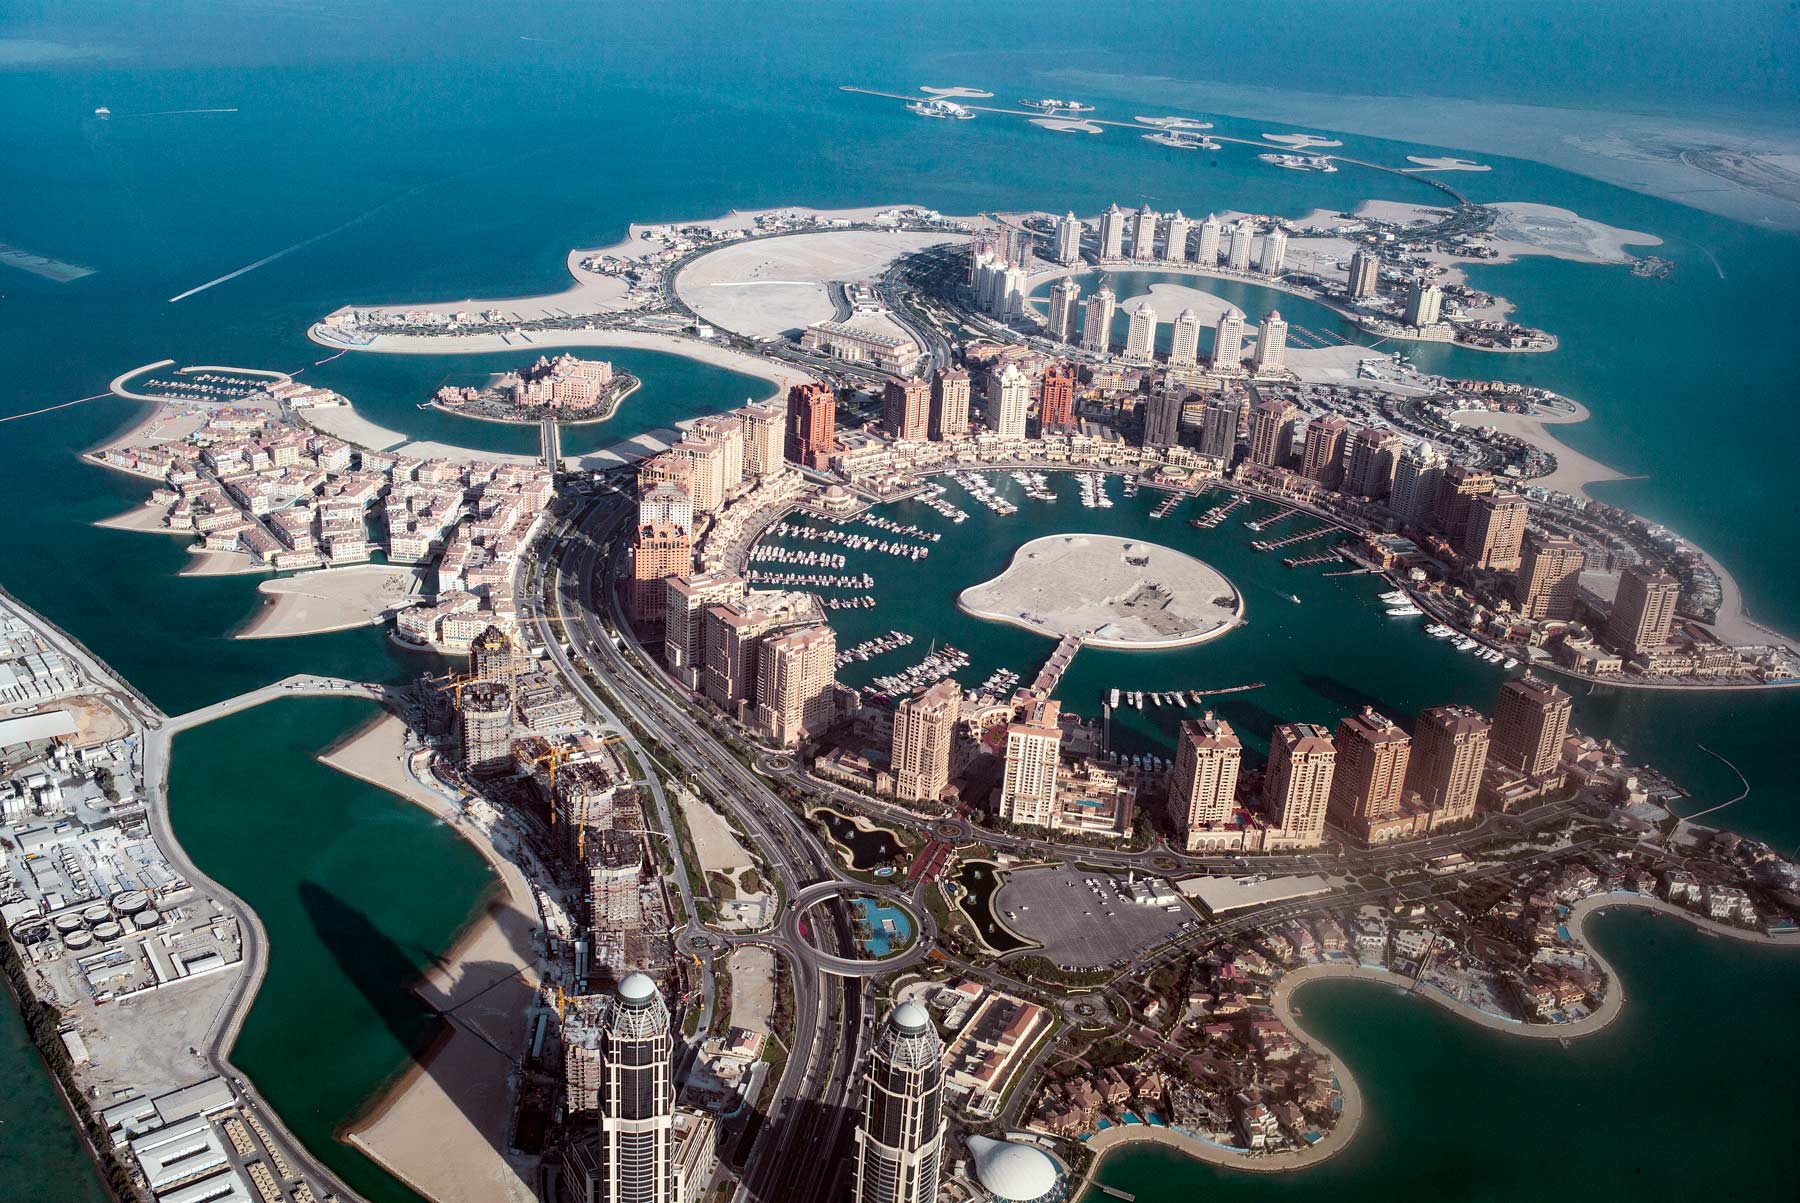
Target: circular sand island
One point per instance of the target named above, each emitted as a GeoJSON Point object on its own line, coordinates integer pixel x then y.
{"type": "Point", "coordinates": [1118, 593]}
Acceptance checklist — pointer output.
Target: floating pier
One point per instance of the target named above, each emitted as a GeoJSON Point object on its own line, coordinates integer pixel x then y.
{"type": "Point", "coordinates": [1263, 524]}
{"type": "Point", "coordinates": [1303, 536]}
{"type": "Point", "coordinates": [1218, 513]}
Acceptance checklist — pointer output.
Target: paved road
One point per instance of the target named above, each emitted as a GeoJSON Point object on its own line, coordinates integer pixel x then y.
{"type": "Point", "coordinates": [827, 1029]}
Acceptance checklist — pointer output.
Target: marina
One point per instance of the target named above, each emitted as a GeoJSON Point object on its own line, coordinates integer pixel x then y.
{"type": "Point", "coordinates": [1302, 537]}
{"type": "Point", "coordinates": [1216, 516]}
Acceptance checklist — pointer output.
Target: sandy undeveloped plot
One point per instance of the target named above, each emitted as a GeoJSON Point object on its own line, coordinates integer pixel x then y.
{"type": "Point", "coordinates": [957, 93]}
{"type": "Point", "coordinates": [1574, 471]}
{"type": "Point", "coordinates": [721, 851]}
{"type": "Point", "coordinates": [1532, 229]}
{"type": "Point", "coordinates": [1131, 593]}
{"type": "Point", "coordinates": [772, 286]}
{"type": "Point", "coordinates": [752, 988]}
{"type": "Point", "coordinates": [140, 1042]}
{"type": "Point", "coordinates": [95, 721]}
{"type": "Point", "coordinates": [1170, 299]}
{"type": "Point", "coordinates": [1301, 141]}
{"type": "Point", "coordinates": [1066, 125]}
{"type": "Point", "coordinates": [1187, 123]}
{"type": "Point", "coordinates": [1331, 365]}
{"type": "Point", "coordinates": [1443, 163]}
{"type": "Point", "coordinates": [331, 599]}
{"type": "Point", "coordinates": [441, 1127]}
{"type": "Point", "coordinates": [1401, 212]}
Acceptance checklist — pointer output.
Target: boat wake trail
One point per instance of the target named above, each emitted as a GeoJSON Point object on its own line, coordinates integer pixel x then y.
{"type": "Point", "coordinates": [302, 244]}
{"type": "Point", "coordinates": [167, 113]}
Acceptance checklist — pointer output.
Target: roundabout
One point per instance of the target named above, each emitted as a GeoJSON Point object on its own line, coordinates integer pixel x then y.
{"type": "Point", "coordinates": [878, 920]}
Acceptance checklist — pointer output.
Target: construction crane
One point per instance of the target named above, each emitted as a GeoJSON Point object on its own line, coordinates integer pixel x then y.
{"type": "Point", "coordinates": [556, 757]}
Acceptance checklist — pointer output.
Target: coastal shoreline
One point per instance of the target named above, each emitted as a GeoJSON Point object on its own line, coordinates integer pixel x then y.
{"type": "Point", "coordinates": [697, 349]}
{"type": "Point", "coordinates": [1283, 998]}
{"type": "Point", "coordinates": [439, 1122]}
{"type": "Point", "coordinates": [311, 603]}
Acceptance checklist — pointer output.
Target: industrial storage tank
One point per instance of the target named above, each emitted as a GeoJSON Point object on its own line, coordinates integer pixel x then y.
{"type": "Point", "coordinates": [145, 920]}
{"type": "Point", "coordinates": [75, 941]}
{"type": "Point", "coordinates": [68, 923]}
{"type": "Point", "coordinates": [109, 930]}
{"type": "Point", "coordinates": [98, 913]}
{"type": "Point", "coordinates": [130, 902]}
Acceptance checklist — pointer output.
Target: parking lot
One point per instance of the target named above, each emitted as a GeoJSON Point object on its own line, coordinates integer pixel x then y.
{"type": "Point", "coordinates": [1084, 920]}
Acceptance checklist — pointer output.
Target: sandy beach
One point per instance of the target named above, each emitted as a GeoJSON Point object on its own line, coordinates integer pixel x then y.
{"type": "Point", "coordinates": [1574, 471]}
{"type": "Point", "coordinates": [597, 293]}
{"type": "Point", "coordinates": [222, 563]}
{"type": "Point", "coordinates": [331, 599]}
{"type": "Point", "coordinates": [159, 423]}
{"type": "Point", "coordinates": [644, 340]}
{"type": "Point", "coordinates": [441, 1126]}
{"type": "Point", "coordinates": [149, 518]}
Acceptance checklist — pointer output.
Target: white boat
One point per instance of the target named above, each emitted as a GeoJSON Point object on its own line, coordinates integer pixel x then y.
{"type": "Point", "coordinates": [1464, 643]}
{"type": "Point", "coordinates": [1394, 597]}
{"type": "Point", "coordinates": [1294, 597]}
{"type": "Point", "coordinates": [1404, 611]}
{"type": "Point", "coordinates": [1510, 663]}
{"type": "Point", "coordinates": [1438, 630]}
{"type": "Point", "coordinates": [1115, 699]}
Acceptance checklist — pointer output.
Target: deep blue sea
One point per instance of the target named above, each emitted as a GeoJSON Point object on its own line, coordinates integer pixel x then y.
{"type": "Point", "coordinates": [382, 152]}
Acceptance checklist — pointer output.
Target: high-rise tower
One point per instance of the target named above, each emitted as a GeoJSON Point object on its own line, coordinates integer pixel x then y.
{"type": "Point", "coordinates": [637, 1097]}
{"type": "Point", "coordinates": [900, 1134]}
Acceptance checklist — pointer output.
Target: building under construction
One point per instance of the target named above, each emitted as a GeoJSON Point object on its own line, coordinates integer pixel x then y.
{"type": "Point", "coordinates": [487, 728]}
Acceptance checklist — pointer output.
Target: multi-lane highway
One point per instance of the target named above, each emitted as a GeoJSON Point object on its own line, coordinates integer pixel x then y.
{"type": "Point", "coordinates": [811, 1105]}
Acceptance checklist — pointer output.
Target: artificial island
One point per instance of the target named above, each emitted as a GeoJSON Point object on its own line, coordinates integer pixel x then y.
{"type": "Point", "coordinates": [793, 912]}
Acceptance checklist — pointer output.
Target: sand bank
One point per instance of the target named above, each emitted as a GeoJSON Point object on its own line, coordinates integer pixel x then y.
{"type": "Point", "coordinates": [442, 1125]}
{"type": "Point", "coordinates": [332, 599]}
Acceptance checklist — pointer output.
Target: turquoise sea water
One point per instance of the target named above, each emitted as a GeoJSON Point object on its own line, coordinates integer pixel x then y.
{"type": "Point", "coordinates": [411, 152]}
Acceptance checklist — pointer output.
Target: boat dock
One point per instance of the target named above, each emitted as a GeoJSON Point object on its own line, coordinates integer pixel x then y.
{"type": "Point", "coordinates": [1303, 536]}
{"type": "Point", "coordinates": [1323, 557]}
{"type": "Point", "coordinates": [1116, 1193]}
{"type": "Point", "coordinates": [1218, 513]}
{"type": "Point", "coordinates": [1165, 505]}
{"type": "Point", "coordinates": [1263, 524]}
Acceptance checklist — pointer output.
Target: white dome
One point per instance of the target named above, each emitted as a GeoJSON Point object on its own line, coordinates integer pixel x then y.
{"type": "Point", "coordinates": [1016, 1173]}
{"type": "Point", "coordinates": [637, 989]}
{"type": "Point", "coordinates": [911, 1017]}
